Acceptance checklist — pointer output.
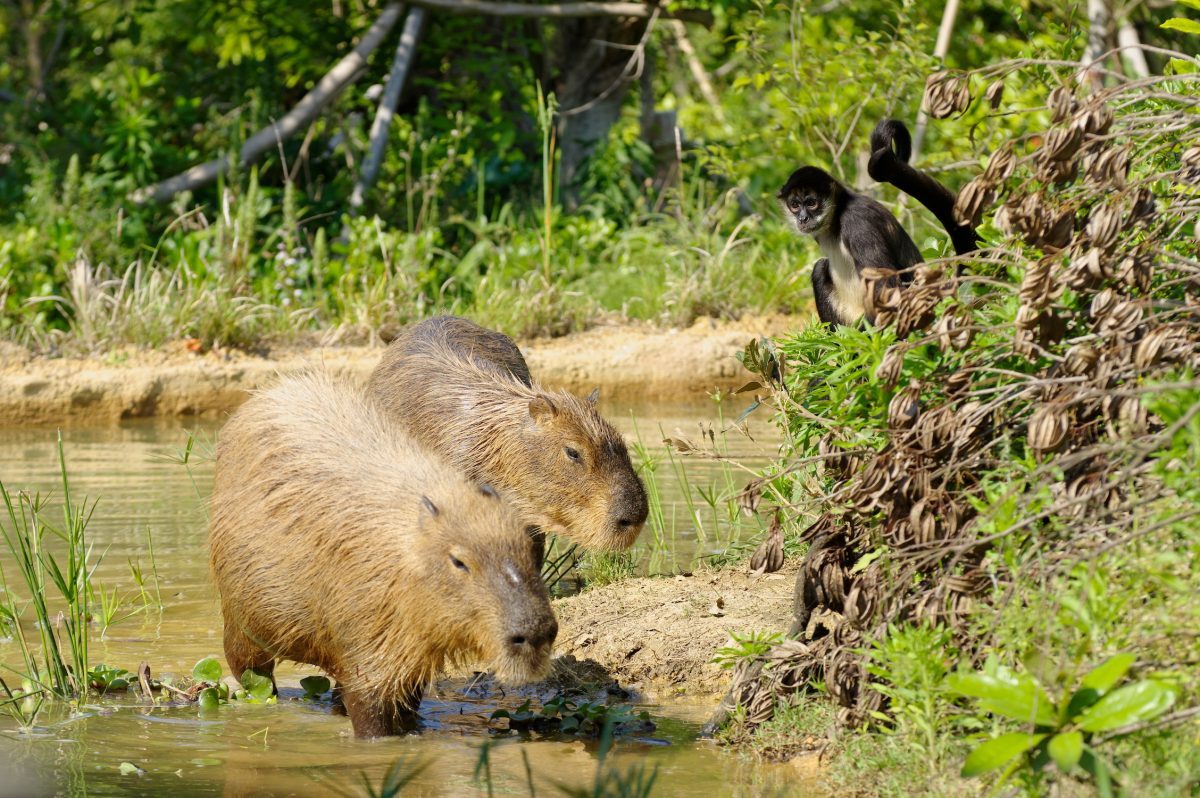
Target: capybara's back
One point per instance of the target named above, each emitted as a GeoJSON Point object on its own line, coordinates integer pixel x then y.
{"type": "Point", "coordinates": [338, 541]}
{"type": "Point", "coordinates": [464, 392]}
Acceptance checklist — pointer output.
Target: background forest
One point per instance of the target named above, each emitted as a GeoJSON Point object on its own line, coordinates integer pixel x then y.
{"type": "Point", "coordinates": [99, 99]}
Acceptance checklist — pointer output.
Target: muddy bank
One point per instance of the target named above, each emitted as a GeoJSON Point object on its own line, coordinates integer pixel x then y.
{"type": "Point", "coordinates": [658, 635]}
{"type": "Point", "coordinates": [625, 362]}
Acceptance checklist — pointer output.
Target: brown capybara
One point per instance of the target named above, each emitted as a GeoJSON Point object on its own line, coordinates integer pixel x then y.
{"type": "Point", "coordinates": [337, 541]}
{"type": "Point", "coordinates": [465, 393]}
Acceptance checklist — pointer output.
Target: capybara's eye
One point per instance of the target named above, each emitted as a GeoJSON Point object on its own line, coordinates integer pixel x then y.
{"type": "Point", "coordinates": [572, 455]}
{"type": "Point", "coordinates": [459, 563]}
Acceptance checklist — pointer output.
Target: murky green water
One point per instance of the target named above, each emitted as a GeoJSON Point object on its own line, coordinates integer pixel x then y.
{"type": "Point", "coordinates": [296, 747]}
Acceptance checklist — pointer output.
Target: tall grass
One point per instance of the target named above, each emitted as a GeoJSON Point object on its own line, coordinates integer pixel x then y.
{"type": "Point", "coordinates": [58, 662]}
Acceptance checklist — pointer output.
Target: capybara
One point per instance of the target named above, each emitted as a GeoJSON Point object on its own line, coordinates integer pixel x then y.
{"type": "Point", "coordinates": [337, 541]}
{"type": "Point", "coordinates": [465, 393]}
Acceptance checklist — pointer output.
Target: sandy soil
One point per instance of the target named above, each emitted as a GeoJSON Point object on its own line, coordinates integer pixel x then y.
{"type": "Point", "coordinates": [658, 635]}
{"type": "Point", "coordinates": [627, 362]}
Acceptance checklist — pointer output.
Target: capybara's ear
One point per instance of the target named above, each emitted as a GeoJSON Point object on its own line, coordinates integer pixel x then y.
{"type": "Point", "coordinates": [428, 506]}
{"type": "Point", "coordinates": [594, 396]}
{"type": "Point", "coordinates": [488, 490]}
{"type": "Point", "coordinates": [542, 409]}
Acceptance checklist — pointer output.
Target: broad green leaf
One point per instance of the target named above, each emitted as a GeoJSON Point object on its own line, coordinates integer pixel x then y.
{"type": "Point", "coordinates": [1012, 695]}
{"type": "Point", "coordinates": [999, 752]}
{"type": "Point", "coordinates": [315, 685]}
{"type": "Point", "coordinates": [1190, 3]}
{"type": "Point", "coordinates": [1065, 750]}
{"type": "Point", "coordinates": [130, 769]}
{"type": "Point", "coordinates": [1104, 676]}
{"type": "Point", "coordinates": [207, 670]}
{"type": "Point", "coordinates": [210, 699]}
{"type": "Point", "coordinates": [1081, 699]}
{"type": "Point", "coordinates": [1132, 703]}
{"type": "Point", "coordinates": [257, 687]}
{"type": "Point", "coordinates": [1183, 24]}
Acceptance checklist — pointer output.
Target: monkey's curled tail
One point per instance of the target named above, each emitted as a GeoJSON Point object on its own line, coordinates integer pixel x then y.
{"type": "Point", "coordinates": [891, 147]}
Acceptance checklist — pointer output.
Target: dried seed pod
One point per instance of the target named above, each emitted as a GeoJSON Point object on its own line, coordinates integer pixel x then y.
{"type": "Point", "coordinates": [1156, 346]}
{"type": "Point", "coordinates": [1122, 320]}
{"type": "Point", "coordinates": [860, 605]}
{"type": "Point", "coordinates": [972, 199]}
{"type": "Point", "coordinates": [904, 408]}
{"type": "Point", "coordinates": [1143, 209]}
{"type": "Point", "coordinates": [1001, 165]}
{"type": "Point", "coordinates": [926, 275]}
{"type": "Point", "coordinates": [946, 93]}
{"type": "Point", "coordinates": [995, 93]}
{"type": "Point", "coordinates": [1062, 104]}
{"type": "Point", "coordinates": [1103, 304]}
{"type": "Point", "coordinates": [1004, 221]}
{"type": "Point", "coordinates": [768, 557]}
{"type": "Point", "coordinates": [1061, 144]}
{"type": "Point", "coordinates": [1027, 318]}
{"type": "Point", "coordinates": [954, 331]}
{"type": "Point", "coordinates": [1080, 359]}
{"type": "Point", "coordinates": [1095, 120]}
{"type": "Point", "coordinates": [916, 309]}
{"type": "Point", "coordinates": [1057, 234]}
{"type": "Point", "coordinates": [1048, 429]}
{"type": "Point", "coordinates": [1086, 270]}
{"type": "Point", "coordinates": [957, 382]}
{"type": "Point", "coordinates": [1037, 286]}
{"type": "Point", "coordinates": [1131, 418]}
{"type": "Point", "coordinates": [1109, 167]}
{"type": "Point", "coordinates": [888, 370]}
{"type": "Point", "coordinates": [1050, 327]}
{"type": "Point", "coordinates": [1058, 172]}
{"type": "Point", "coordinates": [1104, 225]}
{"type": "Point", "coordinates": [923, 523]}
{"type": "Point", "coordinates": [932, 427]}
{"type": "Point", "coordinates": [834, 459]}
{"type": "Point", "coordinates": [1189, 166]}
{"type": "Point", "coordinates": [1135, 270]}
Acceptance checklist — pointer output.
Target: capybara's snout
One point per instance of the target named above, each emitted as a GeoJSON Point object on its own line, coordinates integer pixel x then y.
{"type": "Point", "coordinates": [532, 633]}
{"type": "Point", "coordinates": [628, 513]}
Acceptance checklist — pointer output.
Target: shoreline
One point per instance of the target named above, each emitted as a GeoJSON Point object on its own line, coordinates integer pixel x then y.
{"type": "Point", "coordinates": [626, 362]}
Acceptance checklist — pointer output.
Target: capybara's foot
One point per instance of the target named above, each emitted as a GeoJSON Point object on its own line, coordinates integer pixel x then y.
{"type": "Point", "coordinates": [372, 717]}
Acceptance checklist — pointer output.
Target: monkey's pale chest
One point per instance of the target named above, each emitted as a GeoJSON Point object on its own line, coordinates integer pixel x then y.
{"type": "Point", "coordinates": [847, 285]}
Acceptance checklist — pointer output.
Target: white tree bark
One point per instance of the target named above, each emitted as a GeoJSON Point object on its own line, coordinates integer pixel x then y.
{"type": "Point", "coordinates": [940, 48]}
{"type": "Point", "coordinates": [405, 51]}
{"type": "Point", "coordinates": [1131, 50]}
{"type": "Point", "coordinates": [310, 106]}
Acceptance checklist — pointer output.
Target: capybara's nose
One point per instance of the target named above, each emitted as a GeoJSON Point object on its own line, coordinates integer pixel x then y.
{"type": "Point", "coordinates": [537, 635]}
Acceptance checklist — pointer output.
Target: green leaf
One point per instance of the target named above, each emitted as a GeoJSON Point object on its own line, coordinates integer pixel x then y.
{"type": "Point", "coordinates": [999, 752]}
{"type": "Point", "coordinates": [1183, 24]}
{"type": "Point", "coordinates": [258, 688]}
{"type": "Point", "coordinates": [1012, 695]}
{"type": "Point", "coordinates": [569, 724]}
{"type": "Point", "coordinates": [210, 699]}
{"type": "Point", "coordinates": [315, 686]}
{"type": "Point", "coordinates": [1132, 703]}
{"type": "Point", "coordinates": [1104, 676]}
{"type": "Point", "coordinates": [1065, 749]}
{"type": "Point", "coordinates": [130, 769]}
{"type": "Point", "coordinates": [207, 670]}
{"type": "Point", "coordinates": [1190, 4]}
{"type": "Point", "coordinates": [1093, 764]}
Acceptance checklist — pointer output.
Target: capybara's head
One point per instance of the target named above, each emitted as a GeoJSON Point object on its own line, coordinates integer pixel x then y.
{"type": "Point", "coordinates": [482, 564]}
{"type": "Point", "coordinates": [585, 483]}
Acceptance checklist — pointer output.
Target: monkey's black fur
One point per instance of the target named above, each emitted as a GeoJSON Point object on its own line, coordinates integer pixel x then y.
{"type": "Point", "coordinates": [891, 147]}
{"type": "Point", "coordinates": [856, 232]}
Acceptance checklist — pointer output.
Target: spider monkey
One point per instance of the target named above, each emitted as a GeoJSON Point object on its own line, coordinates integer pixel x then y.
{"type": "Point", "coordinates": [856, 232]}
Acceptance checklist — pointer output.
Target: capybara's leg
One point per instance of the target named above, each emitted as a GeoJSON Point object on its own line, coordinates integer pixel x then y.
{"type": "Point", "coordinates": [337, 699]}
{"type": "Point", "coordinates": [243, 654]}
{"type": "Point", "coordinates": [372, 717]}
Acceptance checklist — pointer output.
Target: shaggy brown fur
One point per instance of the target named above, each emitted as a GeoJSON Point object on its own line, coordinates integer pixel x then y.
{"type": "Point", "coordinates": [337, 541]}
{"type": "Point", "coordinates": [465, 393]}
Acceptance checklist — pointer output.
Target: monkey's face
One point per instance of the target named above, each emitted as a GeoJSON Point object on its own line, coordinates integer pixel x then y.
{"type": "Point", "coordinates": [808, 199]}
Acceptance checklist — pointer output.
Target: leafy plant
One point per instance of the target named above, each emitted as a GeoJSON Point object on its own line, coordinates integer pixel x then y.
{"type": "Point", "coordinates": [1065, 733]}
{"type": "Point", "coordinates": [749, 646]}
{"type": "Point", "coordinates": [585, 719]}
{"type": "Point", "coordinates": [103, 678]}
{"type": "Point", "coordinates": [314, 687]}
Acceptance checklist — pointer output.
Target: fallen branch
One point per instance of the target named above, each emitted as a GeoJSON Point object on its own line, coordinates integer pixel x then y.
{"type": "Point", "coordinates": [565, 10]}
{"type": "Point", "coordinates": [697, 70]}
{"type": "Point", "coordinates": [405, 50]}
{"type": "Point", "coordinates": [343, 74]}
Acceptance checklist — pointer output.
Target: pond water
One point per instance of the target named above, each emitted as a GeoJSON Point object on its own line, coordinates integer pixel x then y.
{"type": "Point", "coordinates": [296, 747]}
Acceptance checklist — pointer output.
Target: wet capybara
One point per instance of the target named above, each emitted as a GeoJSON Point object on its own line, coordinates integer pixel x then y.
{"type": "Point", "coordinates": [338, 541]}
{"type": "Point", "coordinates": [465, 393]}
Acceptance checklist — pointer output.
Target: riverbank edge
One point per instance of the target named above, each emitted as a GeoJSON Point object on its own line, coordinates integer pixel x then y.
{"type": "Point", "coordinates": [627, 362]}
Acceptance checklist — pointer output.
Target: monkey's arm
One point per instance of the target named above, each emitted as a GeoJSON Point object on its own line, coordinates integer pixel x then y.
{"type": "Point", "coordinates": [823, 294]}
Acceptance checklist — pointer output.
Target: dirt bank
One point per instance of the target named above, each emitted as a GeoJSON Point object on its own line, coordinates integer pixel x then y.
{"type": "Point", "coordinates": [659, 635]}
{"type": "Point", "coordinates": [626, 362]}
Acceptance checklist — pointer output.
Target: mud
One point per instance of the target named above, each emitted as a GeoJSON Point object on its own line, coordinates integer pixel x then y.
{"type": "Point", "coordinates": [627, 362]}
{"type": "Point", "coordinates": [658, 635]}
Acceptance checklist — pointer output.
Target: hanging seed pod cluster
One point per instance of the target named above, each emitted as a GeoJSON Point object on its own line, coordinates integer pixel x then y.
{"type": "Point", "coordinates": [1043, 349]}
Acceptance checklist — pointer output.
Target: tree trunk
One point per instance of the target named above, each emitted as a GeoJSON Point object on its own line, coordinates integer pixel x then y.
{"type": "Point", "coordinates": [598, 68]}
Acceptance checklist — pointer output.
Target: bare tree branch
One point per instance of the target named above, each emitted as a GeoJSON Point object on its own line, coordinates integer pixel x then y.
{"type": "Point", "coordinates": [310, 106]}
{"type": "Point", "coordinates": [575, 9]}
